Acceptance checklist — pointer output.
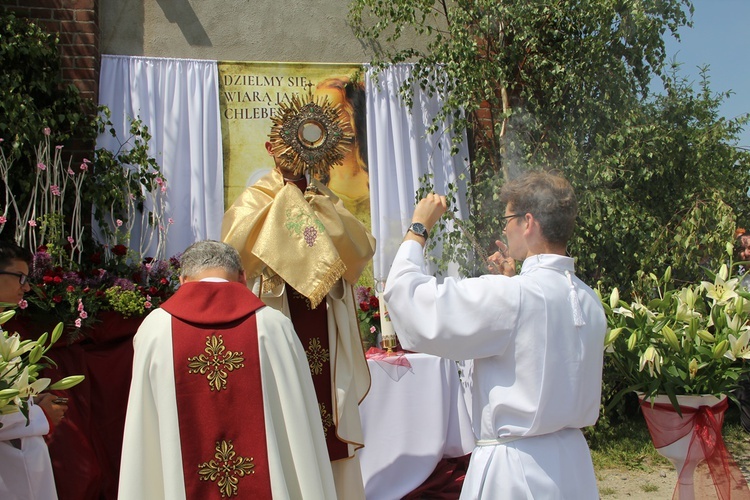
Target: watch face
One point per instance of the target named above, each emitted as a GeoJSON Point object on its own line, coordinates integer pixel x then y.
{"type": "Point", "coordinates": [419, 229]}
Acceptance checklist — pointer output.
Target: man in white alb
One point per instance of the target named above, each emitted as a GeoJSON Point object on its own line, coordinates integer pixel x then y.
{"type": "Point", "coordinates": [536, 340]}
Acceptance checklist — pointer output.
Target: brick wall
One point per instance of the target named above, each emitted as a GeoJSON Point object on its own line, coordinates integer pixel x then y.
{"type": "Point", "coordinates": [77, 24]}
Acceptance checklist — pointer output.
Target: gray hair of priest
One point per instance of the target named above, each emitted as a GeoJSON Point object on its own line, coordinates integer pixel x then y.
{"type": "Point", "coordinates": [209, 254]}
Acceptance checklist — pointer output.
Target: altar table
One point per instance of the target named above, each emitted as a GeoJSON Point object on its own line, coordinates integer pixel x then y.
{"type": "Point", "coordinates": [411, 424]}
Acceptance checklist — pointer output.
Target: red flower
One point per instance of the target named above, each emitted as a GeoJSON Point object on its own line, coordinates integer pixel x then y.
{"type": "Point", "coordinates": [57, 280]}
{"type": "Point", "coordinates": [70, 288]}
{"type": "Point", "coordinates": [47, 279]}
{"type": "Point", "coordinates": [42, 248]}
{"type": "Point", "coordinates": [364, 306]}
{"type": "Point", "coordinates": [96, 258]}
{"type": "Point", "coordinates": [153, 290]}
{"type": "Point", "coordinates": [376, 315]}
{"type": "Point", "coordinates": [163, 281]}
{"type": "Point", "coordinates": [57, 299]}
{"type": "Point", "coordinates": [374, 302]}
{"type": "Point", "coordinates": [120, 250]}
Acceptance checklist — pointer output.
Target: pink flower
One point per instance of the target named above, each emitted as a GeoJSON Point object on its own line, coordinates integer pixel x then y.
{"type": "Point", "coordinates": [78, 323]}
{"type": "Point", "coordinates": [83, 315]}
{"type": "Point", "coordinates": [86, 161]}
{"type": "Point", "coordinates": [55, 190]}
{"type": "Point", "coordinates": [164, 188]}
{"type": "Point", "coordinates": [373, 329]}
{"type": "Point", "coordinates": [170, 220]}
{"type": "Point", "coordinates": [70, 240]}
{"type": "Point", "coordinates": [147, 305]}
{"type": "Point", "coordinates": [84, 167]}
{"type": "Point", "coordinates": [47, 131]}
{"type": "Point", "coordinates": [118, 222]}
{"type": "Point", "coordinates": [41, 166]}
{"type": "Point", "coordinates": [22, 304]}
{"type": "Point", "coordinates": [59, 147]}
{"type": "Point", "coordinates": [3, 219]}
{"type": "Point", "coordinates": [70, 171]}
{"type": "Point", "coordinates": [159, 181]}
{"type": "Point", "coordinates": [32, 223]}
{"type": "Point", "coordinates": [131, 196]}
{"type": "Point", "coordinates": [80, 305]}
{"type": "Point", "coordinates": [2, 140]}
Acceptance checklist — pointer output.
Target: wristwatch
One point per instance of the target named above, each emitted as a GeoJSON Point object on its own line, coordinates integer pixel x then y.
{"type": "Point", "coordinates": [419, 229]}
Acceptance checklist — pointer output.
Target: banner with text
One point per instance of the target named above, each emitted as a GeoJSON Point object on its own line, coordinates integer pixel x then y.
{"type": "Point", "coordinates": [250, 94]}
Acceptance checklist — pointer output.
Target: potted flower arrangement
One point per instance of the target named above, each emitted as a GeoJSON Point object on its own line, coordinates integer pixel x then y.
{"type": "Point", "coordinates": [687, 340]}
{"type": "Point", "coordinates": [684, 349]}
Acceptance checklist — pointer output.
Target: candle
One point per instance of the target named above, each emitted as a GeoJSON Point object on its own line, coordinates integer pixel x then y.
{"type": "Point", "coordinates": [386, 327]}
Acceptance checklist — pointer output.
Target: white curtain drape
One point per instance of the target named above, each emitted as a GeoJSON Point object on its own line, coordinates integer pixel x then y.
{"type": "Point", "coordinates": [401, 151]}
{"type": "Point", "coordinates": [178, 99]}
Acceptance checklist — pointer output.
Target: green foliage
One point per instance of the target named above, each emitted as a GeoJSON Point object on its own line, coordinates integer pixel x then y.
{"type": "Point", "coordinates": [565, 85]}
{"type": "Point", "coordinates": [33, 94]}
{"type": "Point", "coordinates": [126, 302]}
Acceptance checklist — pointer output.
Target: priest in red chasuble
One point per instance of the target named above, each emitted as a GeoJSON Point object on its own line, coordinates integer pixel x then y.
{"type": "Point", "coordinates": [303, 252]}
{"type": "Point", "coordinates": [222, 404]}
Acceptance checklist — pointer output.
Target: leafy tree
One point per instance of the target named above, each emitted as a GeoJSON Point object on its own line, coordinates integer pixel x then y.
{"type": "Point", "coordinates": [564, 84]}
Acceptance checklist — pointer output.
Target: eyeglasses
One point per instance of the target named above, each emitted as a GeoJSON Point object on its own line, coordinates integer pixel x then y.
{"type": "Point", "coordinates": [22, 278]}
{"type": "Point", "coordinates": [504, 220]}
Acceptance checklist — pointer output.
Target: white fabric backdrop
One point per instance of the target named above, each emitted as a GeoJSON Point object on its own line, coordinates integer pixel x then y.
{"type": "Point", "coordinates": [178, 99]}
{"type": "Point", "coordinates": [399, 152]}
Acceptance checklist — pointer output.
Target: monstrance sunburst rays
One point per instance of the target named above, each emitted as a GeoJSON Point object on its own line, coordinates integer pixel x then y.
{"type": "Point", "coordinates": [310, 135]}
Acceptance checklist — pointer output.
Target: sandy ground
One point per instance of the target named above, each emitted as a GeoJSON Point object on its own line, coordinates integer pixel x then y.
{"type": "Point", "coordinates": [615, 485]}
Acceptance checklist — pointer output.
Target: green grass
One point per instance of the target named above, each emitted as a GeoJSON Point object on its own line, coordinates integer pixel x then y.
{"type": "Point", "coordinates": [649, 488]}
{"type": "Point", "coordinates": [605, 492]}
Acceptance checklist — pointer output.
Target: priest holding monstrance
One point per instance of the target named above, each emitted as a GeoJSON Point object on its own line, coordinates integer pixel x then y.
{"type": "Point", "coordinates": [302, 252]}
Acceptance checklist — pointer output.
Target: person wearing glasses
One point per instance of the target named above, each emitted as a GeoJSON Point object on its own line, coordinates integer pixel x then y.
{"type": "Point", "coordinates": [25, 466]}
{"type": "Point", "coordinates": [536, 338]}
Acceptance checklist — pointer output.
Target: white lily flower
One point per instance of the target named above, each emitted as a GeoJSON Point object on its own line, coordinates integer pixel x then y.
{"type": "Point", "coordinates": [687, 297]}
{"type": "Point", "coordinates": [623, 311]}
{"type": "Point", "coordinates": [11, 348]}
{"type": "Point", "coordinates": [652, 359]}
{"type": "Point", "coordinates": [738, 347]}
{"type": "Point", "coordinates": [685, 313]}
{"type": "Point", "coordinates": [720, 291]}
{"type": "Point", "coordinates": [638, 306]}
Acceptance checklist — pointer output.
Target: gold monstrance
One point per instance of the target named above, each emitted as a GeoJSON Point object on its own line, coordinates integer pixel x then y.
{"type": "Point", "coordinates": [310, 135]}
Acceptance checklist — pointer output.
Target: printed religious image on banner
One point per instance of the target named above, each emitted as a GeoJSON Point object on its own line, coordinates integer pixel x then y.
{"type": "Point", "coordinates": [250, 94]}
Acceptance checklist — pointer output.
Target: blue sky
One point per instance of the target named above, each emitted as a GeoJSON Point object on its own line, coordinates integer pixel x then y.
{"type": "Point", "coordinates": [719, 38]}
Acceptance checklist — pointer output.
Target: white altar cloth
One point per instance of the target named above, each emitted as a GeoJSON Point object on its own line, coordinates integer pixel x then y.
{"type": "Point", "coordinates": [411, 424]}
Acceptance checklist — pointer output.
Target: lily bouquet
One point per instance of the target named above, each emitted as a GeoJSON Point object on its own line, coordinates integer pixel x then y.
{"type": "Point", "coordinates": [691, 339]}
{"type": "Point", "coordinates": [20, 364]}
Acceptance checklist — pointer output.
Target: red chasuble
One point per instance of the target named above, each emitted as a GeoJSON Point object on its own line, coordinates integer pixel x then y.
{"type": "Point", "coordinates": [219, 391]}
